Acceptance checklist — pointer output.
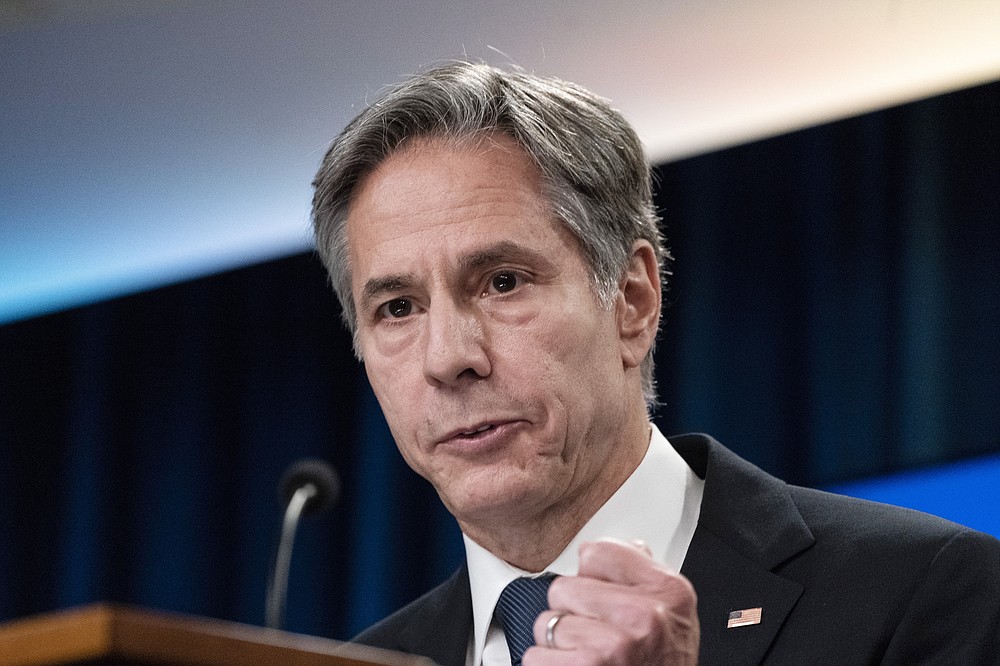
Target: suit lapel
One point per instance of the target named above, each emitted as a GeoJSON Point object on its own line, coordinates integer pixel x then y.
{"type": "Point", "coordinates": [727, 581]}
{"type": "Point", "coordinates": [747, 526]}
{"type": "Point", "coordinates": [445, 624]}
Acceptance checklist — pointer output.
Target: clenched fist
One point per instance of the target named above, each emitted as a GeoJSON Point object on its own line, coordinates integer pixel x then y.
{"type": "Point", "coordinates": [622, 608]}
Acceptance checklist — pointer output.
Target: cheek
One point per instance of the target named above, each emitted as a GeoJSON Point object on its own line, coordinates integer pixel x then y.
{"type": "Point", "coordinates": [563, 362]}
{"type": "Point", "coordinates": [394, 393]}
{"type": "Point", "coordinates": [573, 347]}
{"type": "Point", "coordinates": [377, 379]}
{"type": "Point", "coordinates": [386, 347]}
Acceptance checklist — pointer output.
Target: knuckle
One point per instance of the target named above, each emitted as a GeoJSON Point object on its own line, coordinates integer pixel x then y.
{"type": "Point", "coordinates": [531, 657]}
{"type": "Point", "coordinates": [559, 592]}
{"type": "Point", "coordinates": [653, 620]}
{"type": "Point", "coordinates": [618, 650]}
{"type": "Point", "coordinates": [677, 588]}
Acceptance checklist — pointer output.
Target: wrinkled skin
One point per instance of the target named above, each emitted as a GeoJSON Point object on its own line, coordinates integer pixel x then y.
{"type": "Point", "coordinates": [623, 608]}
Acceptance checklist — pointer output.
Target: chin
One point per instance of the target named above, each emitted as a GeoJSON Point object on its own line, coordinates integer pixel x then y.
{"type": "Point", "coordinates": [490, 500]}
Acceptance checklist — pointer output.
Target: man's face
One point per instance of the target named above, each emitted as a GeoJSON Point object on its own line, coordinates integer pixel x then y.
{"type": "Point", "coordinates": [499, 372]}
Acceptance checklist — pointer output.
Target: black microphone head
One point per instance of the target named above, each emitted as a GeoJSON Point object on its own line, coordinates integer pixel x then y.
{"type": "Point", "coordinates": [317, 472]}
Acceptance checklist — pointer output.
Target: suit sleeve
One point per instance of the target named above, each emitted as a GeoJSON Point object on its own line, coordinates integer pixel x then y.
{"type": "Point", "coordinates": [954, 615]}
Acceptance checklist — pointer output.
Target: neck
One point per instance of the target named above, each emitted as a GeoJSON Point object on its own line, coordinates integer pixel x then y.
{"type": "Point", "coordinates": [532, 542]}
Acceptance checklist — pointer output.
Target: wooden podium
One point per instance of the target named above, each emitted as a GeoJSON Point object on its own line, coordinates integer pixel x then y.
{"type": "Point", "coordinates": [124, 636]}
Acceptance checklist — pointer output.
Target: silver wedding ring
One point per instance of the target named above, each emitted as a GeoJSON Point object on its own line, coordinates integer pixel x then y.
{"type": "Point", "coordinates": [550, 629]}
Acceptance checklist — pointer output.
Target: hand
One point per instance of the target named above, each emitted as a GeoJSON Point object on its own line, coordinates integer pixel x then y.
{"type": "Point", "coordinates": [622, 608]}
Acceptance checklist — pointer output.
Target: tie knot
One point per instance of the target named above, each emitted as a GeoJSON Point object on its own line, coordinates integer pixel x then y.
{"type": "Point", "coordinates": [519, 605]}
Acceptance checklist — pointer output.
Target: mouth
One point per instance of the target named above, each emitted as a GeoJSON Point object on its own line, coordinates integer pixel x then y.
{"type": "Point", "coordinates": [482, 428]}
{"type": "Point", "coordinates": [479, 432]}
{"type": "Point", "coordinates": [466, 433]}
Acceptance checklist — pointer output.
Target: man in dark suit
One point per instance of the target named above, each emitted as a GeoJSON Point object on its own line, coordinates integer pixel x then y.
{"type": "Point", "coordinates": [492, 241]}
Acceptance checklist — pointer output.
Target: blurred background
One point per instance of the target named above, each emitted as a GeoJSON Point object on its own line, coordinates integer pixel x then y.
{"type": "Point", "coordinates": [828, 177]}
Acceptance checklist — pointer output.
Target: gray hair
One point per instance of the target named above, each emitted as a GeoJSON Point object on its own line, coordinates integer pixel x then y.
{"type": "Point", "coordinates": [594, 169]}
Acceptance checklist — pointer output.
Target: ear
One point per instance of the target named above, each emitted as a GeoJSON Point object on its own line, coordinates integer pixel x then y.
{"type": "Point", "coordinates": [638, 304]}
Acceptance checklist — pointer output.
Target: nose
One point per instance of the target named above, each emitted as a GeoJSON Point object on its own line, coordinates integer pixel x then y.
{"type": "Point", "coordinates": [456, 346]}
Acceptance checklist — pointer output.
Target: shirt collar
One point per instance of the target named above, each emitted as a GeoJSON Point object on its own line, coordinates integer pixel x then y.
{"type": "Point", "coordinates": [662, 480]}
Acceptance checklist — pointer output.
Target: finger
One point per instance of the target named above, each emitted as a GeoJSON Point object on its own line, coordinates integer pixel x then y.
{"type": "Point", "coordinates": [572, 632]}
{"type": "Point", "coordinates": [566, 591]}
{"type": "Point", "coordinates": [623, 605]}
{"type": "Point", "coordinates": [619, 562]}
{"type": "Point", "coordinates": [635, 544]}
{"type": "Point", "coordinates": [583, 640]}
{"type": "Point", "coordinates": [538, 656]}
{"type": "Point", "coordinates": [643, 546]}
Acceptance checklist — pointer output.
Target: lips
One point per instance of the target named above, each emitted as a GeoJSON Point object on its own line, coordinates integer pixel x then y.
{"type": "Point", "coordinates": [477, 431]}
{"type": "Point", "coordinates": [470, 431]}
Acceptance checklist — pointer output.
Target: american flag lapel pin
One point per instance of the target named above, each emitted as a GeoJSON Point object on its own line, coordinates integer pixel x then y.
{"type": "Point", "coordinates": [743, 618]}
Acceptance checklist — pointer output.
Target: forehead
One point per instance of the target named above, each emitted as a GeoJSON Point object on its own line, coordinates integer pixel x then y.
{"type": "Point", "coordinates": [439, 195]}
{"type": "Point", "coordinates": [447, 172]}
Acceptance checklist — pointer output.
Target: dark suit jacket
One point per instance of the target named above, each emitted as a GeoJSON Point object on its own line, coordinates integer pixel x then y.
{"type": "Point", "coordinates": [840, 580]}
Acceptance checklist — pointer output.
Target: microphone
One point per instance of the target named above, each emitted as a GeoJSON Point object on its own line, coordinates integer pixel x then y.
{"type": "Point", "coordinates": [309, 486]}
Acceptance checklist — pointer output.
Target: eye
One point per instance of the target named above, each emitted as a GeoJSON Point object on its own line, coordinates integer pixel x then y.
{"type": "Point", "coordinates": [396, 308]}
{"type": "Point", "coordinates": [504, 282]}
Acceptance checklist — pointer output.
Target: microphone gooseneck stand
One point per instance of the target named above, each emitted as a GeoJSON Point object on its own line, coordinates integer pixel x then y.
{"type": "Point", "coordinates": [308, 487]}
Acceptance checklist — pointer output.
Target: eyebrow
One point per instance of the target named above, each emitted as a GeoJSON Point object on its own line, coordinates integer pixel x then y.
{"type": "Point", "coordinates": [500, 252]}
{"type": "Point", "coordinates": [375, 288]}
{"type": "Point", "coordinates": [496, 253]}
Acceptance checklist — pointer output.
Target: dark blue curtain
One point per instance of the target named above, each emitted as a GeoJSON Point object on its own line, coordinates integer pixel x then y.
{"type": "Point", "coordinates": [143, 440]}
{"type": "Point", "coordinates": [836, 309]}
{"type": "Point", "coordinates": [835, 312]}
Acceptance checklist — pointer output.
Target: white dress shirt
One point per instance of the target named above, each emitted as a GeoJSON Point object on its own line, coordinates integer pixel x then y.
{"type": "Point", "coordinates": [658, 504]}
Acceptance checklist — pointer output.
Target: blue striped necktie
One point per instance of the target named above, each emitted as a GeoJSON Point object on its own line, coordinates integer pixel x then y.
{"type": "Point", "coordinates": [519, 605]}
